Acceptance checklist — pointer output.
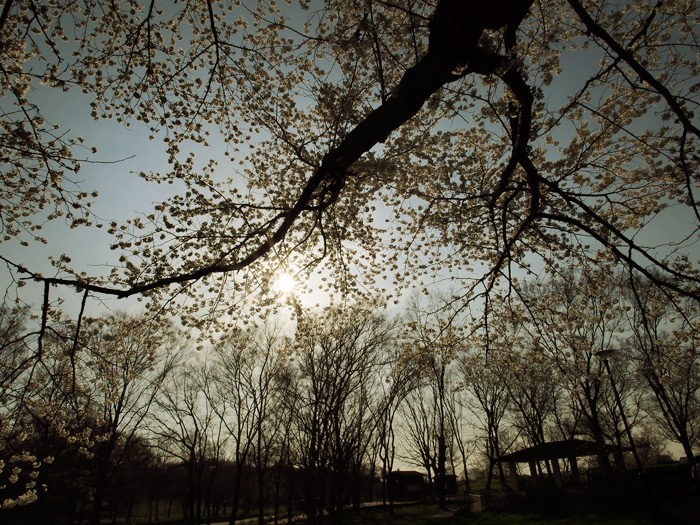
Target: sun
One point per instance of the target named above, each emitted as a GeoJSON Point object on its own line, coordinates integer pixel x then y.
{"type": "Point", "coordinates": [285, 283]}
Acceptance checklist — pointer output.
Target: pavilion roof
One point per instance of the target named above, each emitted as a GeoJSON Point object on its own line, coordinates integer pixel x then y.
{"type": "Point", "coordinates": [554, 450]}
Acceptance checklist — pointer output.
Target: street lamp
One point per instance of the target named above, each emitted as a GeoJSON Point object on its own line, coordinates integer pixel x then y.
{"type": "Point", "coordinates": [604, 356]}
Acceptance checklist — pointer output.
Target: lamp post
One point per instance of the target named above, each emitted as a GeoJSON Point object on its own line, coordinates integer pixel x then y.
{"type": "Point", "coordinates": [604, 356]}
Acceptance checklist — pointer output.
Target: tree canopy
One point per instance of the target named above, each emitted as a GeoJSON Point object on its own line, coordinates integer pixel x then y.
{"type": "Point", "coordinates": [390, 140]}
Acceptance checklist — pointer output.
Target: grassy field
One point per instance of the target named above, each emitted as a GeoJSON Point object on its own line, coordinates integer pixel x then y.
{"type": "Point", "coordinates": [680, 512]}
{"type": "Point", "coordinates": [421, 514]}
{"type": "Point", "coordinates": [432, 515]}
{"type": "Point", "coordinates": [606, 504]}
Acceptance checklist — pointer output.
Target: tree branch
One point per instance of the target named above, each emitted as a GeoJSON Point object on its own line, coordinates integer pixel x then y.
{"type": "Point", "coordinates": [628, 57]}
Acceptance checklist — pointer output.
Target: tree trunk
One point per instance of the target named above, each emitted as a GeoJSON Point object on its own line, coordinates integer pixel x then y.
{"type": "Point", "coordinates": [356, 487]}
{"type": "Point", "coordinates": [310, 496]}
{"type": "Point", "coordinates": [489, 475]}
{"type": "Point", "coordinates": [261, 496]}
{"type": "Point", "coordinates": [236, 493]}
{"type": "Point", "coordinates": [501, 474]}
{"type": "Point", "coordinates": [467, 487]}
{"type": "Point", "coordinates": [598, 436]}
{"type": "Point", "coordinates": [441, 489]}
{"type": "Point", "coordinates": [278, 483]}
{"type": "Point", "coordinates": [198, 498]}
{"type": "Point", "coordinates": [98, 494]}
{"type": "Point", "coordinates": [290, 493]}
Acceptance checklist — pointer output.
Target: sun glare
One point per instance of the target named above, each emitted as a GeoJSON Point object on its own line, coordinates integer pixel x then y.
{"type": "Point", "coordinates": [285, 283]}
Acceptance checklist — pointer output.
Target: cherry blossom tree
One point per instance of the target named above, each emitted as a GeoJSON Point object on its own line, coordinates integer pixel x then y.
{"type": "Point", "coordinates": [72, 416]}
{"type": "Point", "coordinates": [577, 320]}
{"type": "Point", "coordinates": [41, 428]}
{"type": "Point", "coordinates": [123, 364]}
{"type": "Point", "coordinates": [664, 352]}
{"type": "Point", "coordinates": [386, 144]}
{"type": "Point", "coordinates": [490, 136]}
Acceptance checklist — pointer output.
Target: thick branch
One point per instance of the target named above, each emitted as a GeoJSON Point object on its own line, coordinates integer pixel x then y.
{"type": "Point", "coordinates": [5, 13]}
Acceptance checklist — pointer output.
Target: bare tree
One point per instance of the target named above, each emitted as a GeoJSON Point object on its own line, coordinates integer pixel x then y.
{"type": "Point", "coordinates": [340, 355]}
{"type": "Point", "coordinates": [574, 325]}
{"type": "Point", "coordinates": [418, 428]}
{"type": "Point", "coordinates": [458, 420]}
{"type": "Point", "coordinates": [534, 391]}
{"type": "Point", "coordinates": [435, 344]}
{"type": "Point", "coordinates": [268, 388]}
{"type": "Point", "coordinates": [401, 379]}
{"type": "Point", "coordinates": [489, 402]}
{"type": "Point", "coordinates": [230, 392]}
{"type": "Point", "coordinates": [186, 428]}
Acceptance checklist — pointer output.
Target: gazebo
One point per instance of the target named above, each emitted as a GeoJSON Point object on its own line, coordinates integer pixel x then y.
{"type": "Point", "coordinates": [553, 451]}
